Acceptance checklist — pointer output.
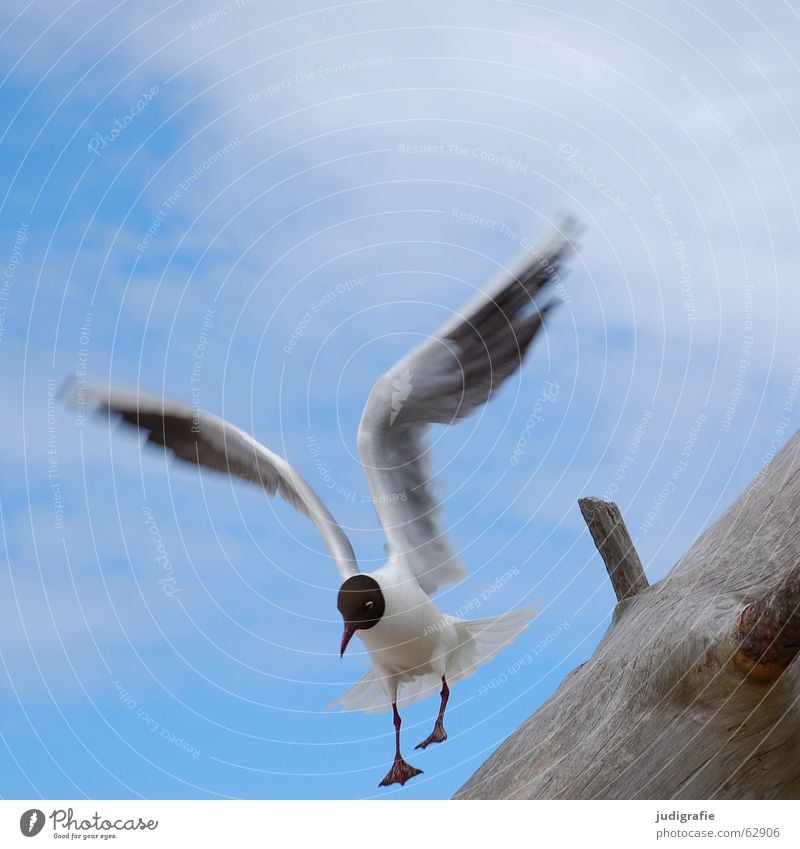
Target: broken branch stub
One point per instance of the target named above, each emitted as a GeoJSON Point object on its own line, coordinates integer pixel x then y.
{"type": "Point", "coordinates": [615, 545]}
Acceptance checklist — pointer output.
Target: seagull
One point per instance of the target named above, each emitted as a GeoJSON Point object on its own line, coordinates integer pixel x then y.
{"type": "Point", "coordinates": [415, 649]}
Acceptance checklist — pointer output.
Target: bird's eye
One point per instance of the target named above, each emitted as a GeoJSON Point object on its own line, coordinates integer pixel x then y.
{"type": "Point", "coordinates": [369, 604]}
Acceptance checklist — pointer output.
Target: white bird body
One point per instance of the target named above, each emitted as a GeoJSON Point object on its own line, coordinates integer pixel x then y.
{"type": "Point", "coordinates": [414, 647]}
{"type": "Point", "coordinates": [406, 640]}
{"type": "Point", "coordinates": [415, 644]}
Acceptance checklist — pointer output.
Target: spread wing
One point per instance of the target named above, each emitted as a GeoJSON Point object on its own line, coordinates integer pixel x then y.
{"type": "Point", "coordinates": [204, 440]}
{"type": "Point", "coordinates": [442, 380]}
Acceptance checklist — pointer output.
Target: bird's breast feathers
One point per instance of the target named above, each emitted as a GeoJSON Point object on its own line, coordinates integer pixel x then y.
{"type": "Point", "coordinates": [412, 632]}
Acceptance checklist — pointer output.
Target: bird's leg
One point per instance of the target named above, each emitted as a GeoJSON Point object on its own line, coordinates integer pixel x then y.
{"type": "Point", "coordinates": [438, 735]}
{"type": "Point", "coordinates": [400, 771]}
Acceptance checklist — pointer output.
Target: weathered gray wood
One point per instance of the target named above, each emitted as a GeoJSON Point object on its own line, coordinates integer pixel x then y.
{"type": "Point", "coordinates": [615, 545]}
{"type": "Point", "coordinates": [769, 628]}
{"type": "Point", "coordinates": [678, 702]}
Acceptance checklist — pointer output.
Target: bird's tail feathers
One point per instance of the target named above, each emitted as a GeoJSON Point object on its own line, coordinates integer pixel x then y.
{"type": "Point", "coordinates": [368, 693]}
{"type": "Point", "coordinates": [481, 639]}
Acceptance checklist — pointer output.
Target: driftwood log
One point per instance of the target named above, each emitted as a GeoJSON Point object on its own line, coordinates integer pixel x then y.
{"type": "Point", "coordinates": [692, 692]}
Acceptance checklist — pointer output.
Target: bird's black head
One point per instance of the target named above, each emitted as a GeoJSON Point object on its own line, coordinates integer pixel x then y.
{"type": "Point", "coordinates": [361, 604]}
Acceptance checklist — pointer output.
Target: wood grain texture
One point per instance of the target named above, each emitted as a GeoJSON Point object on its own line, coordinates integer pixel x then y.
{"type": "Point", "coordinates": [769, 628]}
{"type": "Point", "coordinates": [615, 545]}
{"type": "Point", "coordinates": [663, 710]}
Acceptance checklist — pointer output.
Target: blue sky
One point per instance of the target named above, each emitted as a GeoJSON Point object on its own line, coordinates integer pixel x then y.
{"type": "Point", "coordinates": [207, 173]}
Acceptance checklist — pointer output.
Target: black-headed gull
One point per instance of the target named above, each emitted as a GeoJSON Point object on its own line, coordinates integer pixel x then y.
{"type": "Point", "coordinates": [413, 646]}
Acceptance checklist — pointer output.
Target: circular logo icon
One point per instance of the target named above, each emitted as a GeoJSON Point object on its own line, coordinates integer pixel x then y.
{"type": "Point", "coordinates": [31, 822]}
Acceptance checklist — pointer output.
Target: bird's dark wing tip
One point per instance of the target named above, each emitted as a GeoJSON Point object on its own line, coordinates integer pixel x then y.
{"type": "Point", "coordinates": [569, 227]}
{"type": "Point", "coordinates": [550, 306]}
{"type": "Point", "coordinates": [66, 392]}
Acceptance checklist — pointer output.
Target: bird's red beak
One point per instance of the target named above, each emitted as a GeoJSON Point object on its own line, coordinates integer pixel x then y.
{"type": "Point", "coordinates": [349, 630]}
